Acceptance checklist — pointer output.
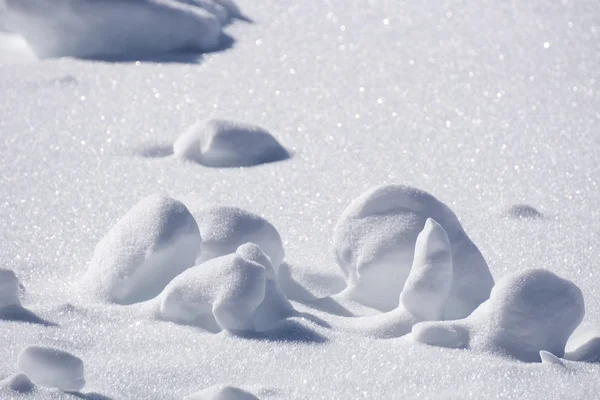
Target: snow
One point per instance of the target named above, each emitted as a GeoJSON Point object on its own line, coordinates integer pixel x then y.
{"type": "Point", "coordinates": [225, 228]}
{"type": "Point", "coordinates": [17, 383]}
{"type": "Point", "coordinates": [549, 358]}
{"type": "Point", "coordinates": [153, 243]}
{"type": "Point", "coordinates": [109, 28]}
{"type": "Point", "coordinates": [9, 288]}
{"type": "Point", "coordinates": [52, 367]}
{"type": "Point", "coordinates": [523, 211]}
{"type": "Point", "coordinates": [224, 143]}
{"type": "Point", "coordinates": [484, 105]}
{"type": "Point", "coordinates": [374, 242]}
{"type": "Point", "coordinates": [528, 312]}
{"type": "Point", "coordinates": [221, 393]}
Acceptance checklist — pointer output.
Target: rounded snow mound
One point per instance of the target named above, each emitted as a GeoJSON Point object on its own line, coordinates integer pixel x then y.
{"type": "Point", "coordinates": [225, 228]}
{"type": "Point", "coordinates": [51, 367]}
{"type": "Point", "coordinates": [222, 143]}
{"type": "Point", "coordinates": [152, 244]}
{"type": "Point", "coordinates": [107, 28]}
{"type": "Point", "coordinates": [523, 211]}
{"type": "Point", "coordinates": [527, 312]}
{"type": "Point", "coordinates": [221, 393]}
{"type": "Point", "coordinates": [236, 292]}
{"type": "Point", "coordinates": [374, 243]}
{"type": "Point", "coordinates": [18, 383]}
{"type": "Point", "coordinates": [9, 288]}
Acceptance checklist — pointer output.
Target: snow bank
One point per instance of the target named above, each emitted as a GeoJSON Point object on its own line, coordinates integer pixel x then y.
{"type": "Point", "coordinates": [221, 393]}
{"type": "Point", "coordinates": [374, 242]}
{"type": "Point", "coordinates": [527, 312]}
{"type": "Point", "coordinates": [222, 143]}
{"type": "Point", "coordinates": [237, 292]}
{"type": "Point", "coordinates": [51, 367]}
{"type": "Point", "coordinates": [111, 28]}
{"type": "Point", "coordinates": [18, 383]}
{"type": "Point", "coordinates": [9, 288]}
{"type": "Point", "coordinates": [153, 243]}
{"type": "Point", "coordinates": [224, 229]}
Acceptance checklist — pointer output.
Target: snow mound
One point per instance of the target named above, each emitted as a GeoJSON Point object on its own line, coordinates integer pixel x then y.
{"type": "Point", "coordinates": [549, 358]}
{"type": "Point", "coordinates": [222, 143]}
{"type": "Point", "coordinates": [374, 242]}
{"type": "Point", "coordinates": [152, 244]}
{"type": "Point", "coordinates": [523, 211]}
{"type": "Point", "coordinates": [224, 229]}
{"type": "Point", "coordinates": [51, 367]}
{"type": "Point", "coordinates": [108, 28]}
{"type": "Point", "coordinates": [527, 312]}
{"type": "Point", "coordinates": [9, 288]}
{"type": "Point", "coordinates": [587, 350]}
{"type": "Point", "coordinates": [221, 393]}
{"type": "Point", "coordinates": [18, 383]}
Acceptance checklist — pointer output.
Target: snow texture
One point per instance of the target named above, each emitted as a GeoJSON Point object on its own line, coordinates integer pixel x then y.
{"type": "Point", "coordinates": [221, 393]}
{"type": "Point", "coordinates": [152, 244]}
{"type": "Point", "coordinates": [9, 288]}
{"type": "Point", "coordinates": [527, 312]}
{"type": "Point", "coordinates": [112, 28]}
{"type": "Point", "coordinates": [221, 293]}
{"type": "Point", "coordinates": [52, 367]}
{"type": "Point", "coordinates": [18, 383]}
{"type": "Point", "coordinates": [225, 228]}
{"type": "Point", "coordinates": [224, 143]}
{"type": "Point", "coordinates": [374, 242]}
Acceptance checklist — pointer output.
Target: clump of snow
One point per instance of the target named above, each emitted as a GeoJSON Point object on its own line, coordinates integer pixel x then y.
{"type": "Point", "coordinates": [225, 228]}
{"type": "Point", "coordinates": [237, 292]}
{"type": "Point", "coordinates": [549, 358]}
{"type": "Point", "coordinates": [18, 383]}
{"type": "Point", "coordinates": [523, 211]}
{"type": "Point", "coordinates": [108, 28]}
{"type": "Point", "coordinates": [223, 143]}
{"type": "Point", "coordinates": [153, 243]}
{"type": "Point", "coordinates": [527, 312]}
{"type": "Point", "coordinates": [52, 367]}
{"type": "Point", "coordinates": [221, 393]}
{"type": "Point", "coordinates": [9, 288]}
{"type": "Point", "coordinates": [374, 242]}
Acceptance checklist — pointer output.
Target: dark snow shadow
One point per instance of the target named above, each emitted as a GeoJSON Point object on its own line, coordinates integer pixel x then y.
{"type": "Point", "coordinates": [154, 151]}
{"type": "Point", "coordinates": [523, 212]}
{"type": "Point", "coordinates": [287, 331]}
{"type": "Point", "coordinates": [90, 396]}
{"type": "Point", "coordinates": [16, 313]}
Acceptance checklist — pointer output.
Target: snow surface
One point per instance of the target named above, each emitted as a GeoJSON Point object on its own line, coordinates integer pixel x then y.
{"type": "Point", "coordinates": [221, 393]}
{"type": "Point", "coordinates": [483, 104]}
{"type": "Point", "coordinates": [223, 143]}
{"type": "Point", "coordinates": [52, 367]}
{"type": "Point", "coordinates": [153, 243]}
{"type": "Point", "coordinates": [528, 312]}
{"type": "Point", "coordinates": [374, 242]}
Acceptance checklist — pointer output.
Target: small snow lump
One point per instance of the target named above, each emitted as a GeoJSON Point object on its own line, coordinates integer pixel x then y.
{"type": "Point", "coordinates": [52, 367]}
{"type": "Point", "coordinates": [153, 243]}
{"type": "Point", "coordinates": [527, 312]}
{"type": "Point", "coordinates": [221, 393]}
{"type": "Point", "coordinates": [223, 143]}
{"type": "Point", "coordinates": [9, 288]}
{"type": "Point", "coordinates": [374, 244]}
{"type": "Point", "coordinates": [18, 383]}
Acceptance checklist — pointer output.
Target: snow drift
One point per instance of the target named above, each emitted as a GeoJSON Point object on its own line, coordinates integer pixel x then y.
{"type": "Point", "coordinates": [374, 242]}
{"type": "Point", "coordinates": [52, 367]}
{"type": "Point", "coordinates": [113, 28]}
{"type": "Point", "coordinates": [527, 312]}
{"type": "Point", "coordinates": [223, 143]}
{"type": "Point", "coordinates": [153, 243]}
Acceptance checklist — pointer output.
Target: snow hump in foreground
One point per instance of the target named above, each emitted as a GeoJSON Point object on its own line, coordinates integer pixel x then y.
{"type": "Point", "coordinates": [226, 293]}
{"type": "Point", "coordinates": [221, 393]}
{"type": "Point", "coordinates": [51, 367]}
{"type": "Point", "coordinates": [112, 28]}
{"type": "Point", "coordinates": [527, 312]}
{"type": "Point", "coordinates": [222, 143]}
{"type": "Point", "coordinates": [152, 244]}
{"type": "Point", "coordinates": [374, 244]}
{"type": "Point", "coordinates": [225, 228]}
{"type": "Point", "coordinates": [18, 383]}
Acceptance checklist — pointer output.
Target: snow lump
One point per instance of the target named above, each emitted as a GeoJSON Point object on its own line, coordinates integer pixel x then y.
{"type": "Point", "coordinates": [52, 367]}
{"type": "Point", "coordinates": [374, 242]}
{"type": "Point", "coordinates": [223, 143]}
{"type": "Point", "coordinates": [221, 393]}
{"type": "Point", "coordinates": [527, 312]}
{"type": "Point", "coordinates": [152, 244]}
{"type": "Point", "coordinates": [9, 288]}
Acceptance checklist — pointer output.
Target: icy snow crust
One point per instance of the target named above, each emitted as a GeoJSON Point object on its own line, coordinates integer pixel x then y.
{"type": "Point", "coordinates": [484, 105]}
